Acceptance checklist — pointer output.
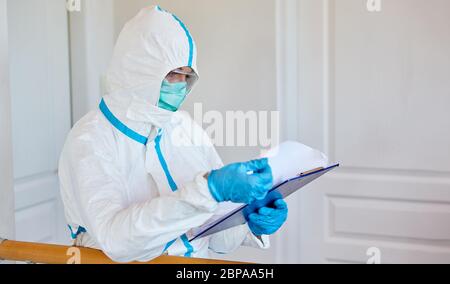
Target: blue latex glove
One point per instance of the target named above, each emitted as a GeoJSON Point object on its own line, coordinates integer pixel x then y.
{"type": "Point", "coordinates": [268, 220]}
{"type": "Point", "coordinates": [241, 182]}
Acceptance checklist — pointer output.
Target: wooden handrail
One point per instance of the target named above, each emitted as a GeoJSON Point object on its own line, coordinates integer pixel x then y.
{"type": "Point", "coordinates": [57, 254]}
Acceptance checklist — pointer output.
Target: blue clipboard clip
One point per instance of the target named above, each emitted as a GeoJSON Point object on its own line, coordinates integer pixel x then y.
{"type": "Point", "coordinates": [240, 215]}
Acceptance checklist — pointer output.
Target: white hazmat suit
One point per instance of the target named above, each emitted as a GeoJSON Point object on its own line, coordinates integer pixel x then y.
{"type": "Point", "coordinates": [132, 174]}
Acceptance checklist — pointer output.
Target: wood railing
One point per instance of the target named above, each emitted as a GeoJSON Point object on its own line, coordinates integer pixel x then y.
{"type": "Point", "coordinates": [57, 254]}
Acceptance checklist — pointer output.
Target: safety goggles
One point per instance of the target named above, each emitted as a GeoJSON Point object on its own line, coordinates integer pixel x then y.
{"type": "Point", "coordinates": [182, 72]}
{"type": "Point", "coordinates": [179, 74]}
{"type": "Point", "coordinates": [190, 77]}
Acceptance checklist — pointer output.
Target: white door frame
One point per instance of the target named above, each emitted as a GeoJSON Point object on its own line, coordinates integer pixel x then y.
{"type": "Point", "coordinates": [92, 35]}
{"type": "Point", "coordinates": [6, 167]}
{"type": "Point", "coordinates": [303, 60]}
{"type": "Point", "coordinates": [287, 100]}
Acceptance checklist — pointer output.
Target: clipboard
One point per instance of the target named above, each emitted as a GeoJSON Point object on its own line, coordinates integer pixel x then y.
{"type": "Point", "coordinates": [240, 215]}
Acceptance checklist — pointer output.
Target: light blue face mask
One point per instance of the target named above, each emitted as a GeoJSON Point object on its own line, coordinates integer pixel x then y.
{"type": "Point", "coordinates": [172, 95]}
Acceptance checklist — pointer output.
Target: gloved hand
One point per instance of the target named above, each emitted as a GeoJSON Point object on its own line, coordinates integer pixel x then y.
{"type": "Point", "coordinates": [241, 182]}
{"type": "Point", "coordinates": [268, 220]}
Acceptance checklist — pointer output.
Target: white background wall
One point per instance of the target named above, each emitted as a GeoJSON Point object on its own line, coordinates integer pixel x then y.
{"type": "Point", "coordinates": [6, 174]}
{"type": "Point", "coordinates": [92, 37]}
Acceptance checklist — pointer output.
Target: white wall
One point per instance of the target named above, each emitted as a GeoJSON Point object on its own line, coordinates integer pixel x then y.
{"type": "Point", "coordinates": [6, 176]}
{"type": "Point", "coordinates": [91, 41]}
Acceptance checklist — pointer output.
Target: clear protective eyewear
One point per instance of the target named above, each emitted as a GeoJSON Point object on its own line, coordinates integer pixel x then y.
{"type": "Point", "coordinates": [179, 75]}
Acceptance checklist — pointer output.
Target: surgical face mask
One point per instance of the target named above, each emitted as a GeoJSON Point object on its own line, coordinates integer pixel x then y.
{"type": "Point", "coordinates": [172, 95]}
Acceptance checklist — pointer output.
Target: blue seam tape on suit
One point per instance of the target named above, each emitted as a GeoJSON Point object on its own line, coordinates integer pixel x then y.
{"type": "Point", "coordinates": [188, 246]}
{"type": "Point", "coordinates": [143, 140]}
{"type": "Point", "coordinates": [188, 35]}
{"type": "Point", "coordinates": [163, 163]}
{"type": "Point", "coordinates": [190, 40]}
{"type": "Point", "coordinates": [79, 231]}
{"type": "Point", "coordinates": [120, 126]}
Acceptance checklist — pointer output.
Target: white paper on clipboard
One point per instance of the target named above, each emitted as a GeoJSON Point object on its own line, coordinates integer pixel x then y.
{"type": "Point", "coordinates": [239, 216]}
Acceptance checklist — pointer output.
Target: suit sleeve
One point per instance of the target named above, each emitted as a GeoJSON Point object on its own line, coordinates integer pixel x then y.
{"type": "Point", "coordinates": [231, 239]}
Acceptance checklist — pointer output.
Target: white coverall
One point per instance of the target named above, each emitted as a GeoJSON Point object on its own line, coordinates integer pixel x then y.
{"type": "Point", "coordinates": [132, 174]}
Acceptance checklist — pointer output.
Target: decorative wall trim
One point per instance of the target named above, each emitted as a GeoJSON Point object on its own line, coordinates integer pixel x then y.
{"type": "Point", "coordinates": [298, 77]}
{"type": "Point", "coordinates": [287, 97]}
{"type": "Point", "coordinates": [6, 165]}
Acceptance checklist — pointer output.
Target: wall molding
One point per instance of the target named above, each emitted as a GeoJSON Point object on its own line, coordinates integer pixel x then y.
{"type": "Point", "coordinates": [287, 73]}
{"type": "Point", "coordinates": [92, 36]}
{"type": "Point", "coordinates": [305, 57]}
{"type": "Point", "coordinates": [6, 164]}
{"type": "Point", "coordinates": [287, 46]}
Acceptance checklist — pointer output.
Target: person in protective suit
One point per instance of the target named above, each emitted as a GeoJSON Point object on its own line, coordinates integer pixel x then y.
{"type": "Point", "coordinates": [136, 174]}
